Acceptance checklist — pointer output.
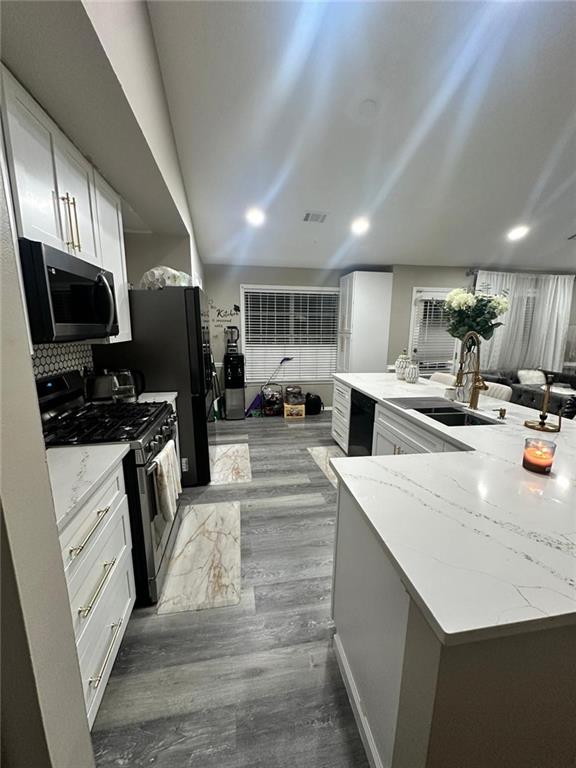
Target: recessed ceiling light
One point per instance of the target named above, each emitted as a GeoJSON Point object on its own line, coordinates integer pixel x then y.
{"type": "Point", "coordinates": [517, 233]}
{"type": "Point", "coordinates": [360, 226]}
{"type": "Point", "coordinates": [255, 217]}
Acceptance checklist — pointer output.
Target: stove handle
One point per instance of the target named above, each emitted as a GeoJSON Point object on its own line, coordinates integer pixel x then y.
{"type": "Point", "coordinates": [152, 468]}
{"type": "Point", "coordinates": [102, 278]}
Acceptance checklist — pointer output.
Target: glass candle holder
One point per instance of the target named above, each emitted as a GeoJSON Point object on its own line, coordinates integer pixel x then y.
{"type": "Point", "coordinates": [538, 455]}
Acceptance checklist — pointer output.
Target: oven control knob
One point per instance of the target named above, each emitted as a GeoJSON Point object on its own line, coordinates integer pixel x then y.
{"type": "Point", "coordinates": [166, 431]}
{"type": "Point", "coordinates": [152, 445]}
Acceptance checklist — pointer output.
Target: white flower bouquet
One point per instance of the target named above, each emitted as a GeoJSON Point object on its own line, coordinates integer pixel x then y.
{"type": "Point", "coordinates": [474, 311]}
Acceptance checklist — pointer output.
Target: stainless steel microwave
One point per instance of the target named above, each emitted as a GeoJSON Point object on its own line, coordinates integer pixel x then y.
{"type": "Point", "coordinates": [68, 299]}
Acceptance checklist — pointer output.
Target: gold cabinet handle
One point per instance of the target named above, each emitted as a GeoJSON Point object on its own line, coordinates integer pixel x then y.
{"type": "Point", "coordinates": [97, 678]}
{"type": "Point", "coordinates": [66, 200]}
{"type": "Point", "coordinates": [101, 514]}
{"type": "Point", "coordinates": [78, 245]}
{"type": "Point", "coordinates": [85, 610]}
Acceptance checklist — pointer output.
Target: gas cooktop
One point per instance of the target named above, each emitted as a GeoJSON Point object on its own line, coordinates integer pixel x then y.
{"type": "Point", "coordinates": [101, 423]}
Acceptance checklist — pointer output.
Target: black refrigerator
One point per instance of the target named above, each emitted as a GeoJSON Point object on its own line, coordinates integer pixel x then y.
{"type": "Point", "coordinates": [171, 347]}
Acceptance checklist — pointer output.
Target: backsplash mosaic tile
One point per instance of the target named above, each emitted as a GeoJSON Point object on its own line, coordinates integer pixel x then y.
{"type": "Point", "coordinates": [50, 359]}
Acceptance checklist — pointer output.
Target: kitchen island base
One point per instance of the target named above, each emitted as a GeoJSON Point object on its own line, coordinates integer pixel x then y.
{"type": "Point", "coordinates": [504, 701]}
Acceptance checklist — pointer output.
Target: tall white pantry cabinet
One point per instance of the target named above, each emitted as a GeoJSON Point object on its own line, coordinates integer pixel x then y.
{"type": "Point", "coordinates": [364, 322]}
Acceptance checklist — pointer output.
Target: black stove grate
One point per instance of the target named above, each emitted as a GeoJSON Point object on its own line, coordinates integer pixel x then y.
{"type": "Point", "coordinates": [101, 423]}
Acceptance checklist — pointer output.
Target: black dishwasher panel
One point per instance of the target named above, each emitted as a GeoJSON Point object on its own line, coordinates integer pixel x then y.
{"type": "Point", "coordinates": [361, 424]}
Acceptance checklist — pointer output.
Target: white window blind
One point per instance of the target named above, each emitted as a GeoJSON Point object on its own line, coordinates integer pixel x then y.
{"type": "Point", "coordinates": [430, 343]}
{"type": "Point", "coordinates": [301, 323]}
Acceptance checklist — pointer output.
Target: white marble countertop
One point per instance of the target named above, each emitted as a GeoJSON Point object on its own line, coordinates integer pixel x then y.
{"type": "Point", "coordinates": [76, 471]}
{"type": "Point", "coordinates": [484, 547]}
{"type": "Point", "coordinates": [158, 397]}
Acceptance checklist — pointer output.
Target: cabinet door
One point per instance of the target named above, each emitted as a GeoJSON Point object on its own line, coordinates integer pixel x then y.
{"type": "Point", "coordinates": [346, 301]}
{"type": "Point", "coordinates": [343, 357]}
{"type": "Point", "coordinates": [29, 141]}
{"type": "Point", "coordinates": [111, 248]}
{"type": "Point", "coordinates": [383, 444]}
{"type": "Point", "coordinates": [76, 189]}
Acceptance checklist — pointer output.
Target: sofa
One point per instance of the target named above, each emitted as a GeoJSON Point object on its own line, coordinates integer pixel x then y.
{"type": "Point", "coordinates": [531, 395]}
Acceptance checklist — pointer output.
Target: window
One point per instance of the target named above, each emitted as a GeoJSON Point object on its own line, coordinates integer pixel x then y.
{"type": "Point", "coordinates": [301, 323]}
{"type": "Point", "coordinates": [430, 343]}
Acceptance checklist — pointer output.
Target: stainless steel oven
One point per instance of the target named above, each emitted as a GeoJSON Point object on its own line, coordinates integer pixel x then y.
{"type": "Point", "coordinates": [68, 299]}
{"type": "Point", "coordinates": [153, 534]}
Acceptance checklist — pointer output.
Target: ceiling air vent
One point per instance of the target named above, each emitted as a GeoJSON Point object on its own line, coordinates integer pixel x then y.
{"type": "Point", "coordinates": [315, 217]}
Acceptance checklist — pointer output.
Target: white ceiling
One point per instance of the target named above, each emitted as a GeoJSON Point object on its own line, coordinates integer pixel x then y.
{"type": "Point", "coordinates": [445, 122]}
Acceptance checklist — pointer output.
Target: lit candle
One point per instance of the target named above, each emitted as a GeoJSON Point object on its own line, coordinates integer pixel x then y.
{"type": "Point", "coordinates": [538, 455]}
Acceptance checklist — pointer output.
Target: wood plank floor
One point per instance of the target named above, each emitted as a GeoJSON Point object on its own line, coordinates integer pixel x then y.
{"type": "Point", "coordinates": [254, 685]}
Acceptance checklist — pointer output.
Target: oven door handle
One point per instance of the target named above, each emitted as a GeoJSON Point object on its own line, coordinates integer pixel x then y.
{"type": "Point", "coordinates": [152, 468]}
{"type": "Point", "coordinates": [106, 284]}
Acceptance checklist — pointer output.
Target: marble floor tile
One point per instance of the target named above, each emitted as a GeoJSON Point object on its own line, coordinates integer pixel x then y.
{"type": "Point", "coordinates": [230, 464]}
{"type": "Point", "coordinates": [204, 568]}
{"type": "Point", "coordinates": [322, 455]}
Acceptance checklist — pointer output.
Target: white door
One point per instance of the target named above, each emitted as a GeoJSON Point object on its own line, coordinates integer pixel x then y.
{"type": "Point", "coordinates": [30, 158]}
{"type": "Point", "coordinates": [76, 190]}
{"type": "Point", "coordinates": [111, 247]}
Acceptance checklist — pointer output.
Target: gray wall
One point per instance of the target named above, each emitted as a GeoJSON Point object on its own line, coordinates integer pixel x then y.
{"type": "Point", "coordinates": [44, 721]}
{"type": "Point", "coordinates": [144, 251]}
{"type": "Point", "coordinates": [405, 279]}
{"type": "Point", "coordinates": [222, 285]}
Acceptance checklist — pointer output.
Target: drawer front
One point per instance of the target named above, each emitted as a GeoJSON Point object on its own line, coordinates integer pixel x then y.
{"type": "Point", "coordinates": [425, 439]}
{"type": "Point", "coordinates": [77, 538]}
{"type": "Point", "coordinates": [341, 408]}
{"type": "Point", "coordinates": [99, 645]}
{"type": "Point", "coordinates": [340, 432]}
{"type": "Point", "coordinates": [341, 393]}
{"type": "Point", "coordinates": [87, 587]}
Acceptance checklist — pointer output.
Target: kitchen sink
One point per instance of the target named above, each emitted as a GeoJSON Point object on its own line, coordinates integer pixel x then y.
{"type": "Point", "coordinates": [443, 410]}
{"type": "Point", "coordinates": [455, 417]}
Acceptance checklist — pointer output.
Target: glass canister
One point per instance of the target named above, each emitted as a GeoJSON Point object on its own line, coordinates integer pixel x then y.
{"type": "Point", "coordinates": [400, 365]}
{"type": "Point", "coordinates": [412, 372]}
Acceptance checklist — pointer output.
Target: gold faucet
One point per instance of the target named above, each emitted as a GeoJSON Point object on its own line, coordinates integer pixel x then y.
{"type": "Point", "coordinates": [478, 383]}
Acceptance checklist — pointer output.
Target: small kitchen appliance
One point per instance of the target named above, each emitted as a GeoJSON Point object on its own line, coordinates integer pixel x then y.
{"type": "Point", "coordinates": [232, 334]}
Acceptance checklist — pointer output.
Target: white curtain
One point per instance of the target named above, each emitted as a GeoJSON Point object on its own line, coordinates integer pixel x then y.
{"type": "Point", "coordinates": [536, 325]}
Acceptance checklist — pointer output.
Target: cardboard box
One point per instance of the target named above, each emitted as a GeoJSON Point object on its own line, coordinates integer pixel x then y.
{"type": "Point", "coordinates": [294, 412]}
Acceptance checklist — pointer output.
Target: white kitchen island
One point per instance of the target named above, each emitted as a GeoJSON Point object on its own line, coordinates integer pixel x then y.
{"type": "Point", "coordinates": [454, 593]}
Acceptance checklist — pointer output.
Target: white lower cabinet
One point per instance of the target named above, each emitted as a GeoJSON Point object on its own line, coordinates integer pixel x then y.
{"type": "Point", "coordinates": [341, 399]}
{"type": "Point", "coordinates": [97, 556]}
{"type": "Point", "coordinates": [388, 442]}
{"type": "Point", "coordinates": [395, 434]}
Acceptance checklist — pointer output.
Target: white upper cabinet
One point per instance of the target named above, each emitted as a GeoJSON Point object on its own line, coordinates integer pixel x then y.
{"type": "Point", "coordinates": [59, 198]}
{"type": "Point", "coordinates": [75, 178]}
{"type": "Point", "coordinates": [29, 137]}
{"type": "Point", "coordinates": [111, 247]}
